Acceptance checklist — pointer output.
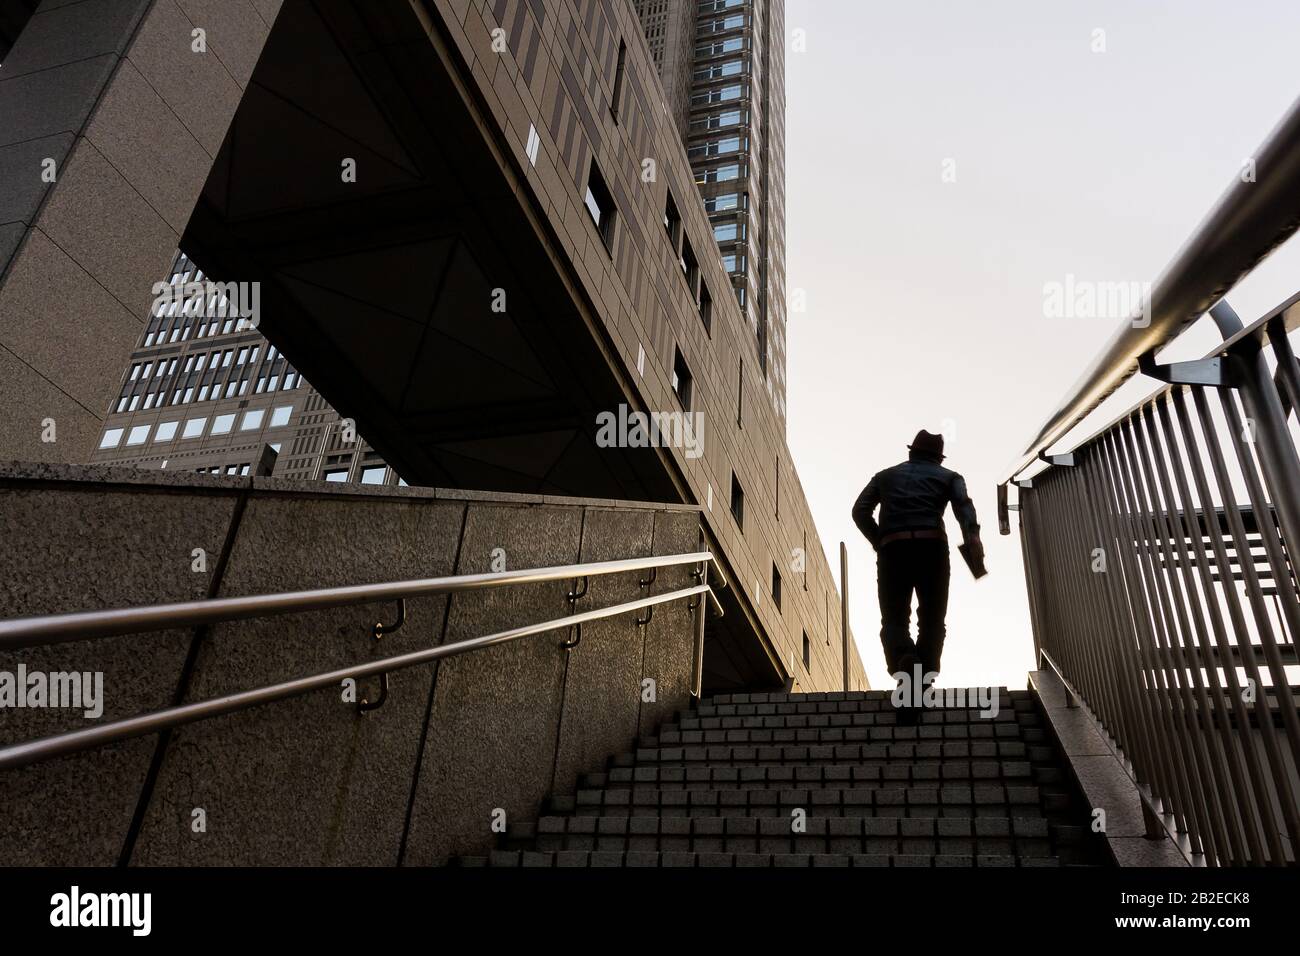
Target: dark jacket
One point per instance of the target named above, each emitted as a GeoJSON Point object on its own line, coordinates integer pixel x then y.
{"type": "Point", "coordinates": [912, 497]}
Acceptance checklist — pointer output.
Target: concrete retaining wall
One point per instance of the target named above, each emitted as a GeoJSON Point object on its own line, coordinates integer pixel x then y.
{"type": "Point", "coordinates": [310, 781]}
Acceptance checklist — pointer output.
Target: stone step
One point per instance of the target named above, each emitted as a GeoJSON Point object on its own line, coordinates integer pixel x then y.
{"type": "Point", "coordinates": [811, 775]}
{"type": "Point", "coordinates": [809, 754]}
{"type": "Point", "coordinates": [677, 859]}
{"type": "Point", "coordinates": [833, 735]}
{"type": "Point", "coordinates": [881, 733]}
{"type": "Point", "coordinates": [772, 716]}
{"type": "Point", "coordinates": [836, 697]}
{"type": "Point", "coordinates": [861, 801]}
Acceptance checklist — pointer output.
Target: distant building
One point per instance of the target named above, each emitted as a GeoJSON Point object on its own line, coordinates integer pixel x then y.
{"type": "Point", "coordinates": [204, 391]}
{"type": "Point", "coordinates": [729, 73]}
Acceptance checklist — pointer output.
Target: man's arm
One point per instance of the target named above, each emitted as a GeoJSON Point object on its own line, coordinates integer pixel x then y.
{"type": "Point", "coordinates": [964, 511]}
{"type": "Point", "coordinates": [863, 510]}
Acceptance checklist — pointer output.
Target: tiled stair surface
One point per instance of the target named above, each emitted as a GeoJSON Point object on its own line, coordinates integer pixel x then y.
{"type": "Point", "coordinates": [721, 786]}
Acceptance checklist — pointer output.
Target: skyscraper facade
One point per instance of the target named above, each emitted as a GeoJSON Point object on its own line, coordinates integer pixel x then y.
{"type": "Point", "coordinates": [205, 391]}
{"type": "Point", "coordinates": [732, 79]}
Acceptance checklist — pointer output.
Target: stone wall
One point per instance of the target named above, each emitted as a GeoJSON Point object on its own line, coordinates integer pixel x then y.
{"type": "Point", "coordinates": [308, 780]}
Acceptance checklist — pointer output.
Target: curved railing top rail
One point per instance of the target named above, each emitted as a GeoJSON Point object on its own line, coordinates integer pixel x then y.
{"type": "Point", "coordinates": [1248, 222]}
{"type": "Point", "coordinates": [1288, 313]}
{"type": "Point", "coordinates": [81, 625]}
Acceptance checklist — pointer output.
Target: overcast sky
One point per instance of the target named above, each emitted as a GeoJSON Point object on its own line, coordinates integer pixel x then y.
{"type": "Point", "coordinates": [948, 159]}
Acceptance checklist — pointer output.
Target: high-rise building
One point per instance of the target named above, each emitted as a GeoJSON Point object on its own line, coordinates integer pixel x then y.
{"type": "Point", "coordinates": [205, 391]}
{"type": "Point", "coordinates": [452, 232]}
{"type": "Point", "coordinates": [722, 65]}
{"type": "Point", "coordinates": [732, 80]}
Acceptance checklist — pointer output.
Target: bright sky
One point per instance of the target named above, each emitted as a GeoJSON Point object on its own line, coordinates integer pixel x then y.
{"type": "Point", "coordinates": [925, 297]}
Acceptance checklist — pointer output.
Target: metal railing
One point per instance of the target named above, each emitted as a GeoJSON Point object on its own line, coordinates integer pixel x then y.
{"type": "Point", "coordinates": [1160, 551]}
{"type": "Point", "coordinates": [51, 629]}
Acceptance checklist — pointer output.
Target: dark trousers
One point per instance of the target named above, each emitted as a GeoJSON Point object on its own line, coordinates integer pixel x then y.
{"type": "Point", "coordinates": [917, 565]}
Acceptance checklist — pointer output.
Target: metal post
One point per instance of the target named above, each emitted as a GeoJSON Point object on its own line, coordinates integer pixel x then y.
{"type": "Point", "coordinates": [844, 611]}
{"type": "Point", "coordinates": [697, 655]}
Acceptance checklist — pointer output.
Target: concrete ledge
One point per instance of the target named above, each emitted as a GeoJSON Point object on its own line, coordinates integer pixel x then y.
{"type": "Point", "coordinates": [1101, 776]}
{"type": "Point", "coordinates": [54, 472]}
{"type": "Point", "coordinates": [308, 780]}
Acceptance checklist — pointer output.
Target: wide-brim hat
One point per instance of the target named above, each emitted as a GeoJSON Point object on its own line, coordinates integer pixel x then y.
{"type": "Point", "coordinates": [927, 444]}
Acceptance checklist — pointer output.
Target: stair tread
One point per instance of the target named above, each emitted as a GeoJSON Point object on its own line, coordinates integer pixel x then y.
{"type": "Point", "coordinates": [670, 859]}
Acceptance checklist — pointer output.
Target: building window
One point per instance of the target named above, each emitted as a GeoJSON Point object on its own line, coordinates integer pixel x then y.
{"type": "Point", "coordinates": [722, 202]}
{"type": "Point", "coordinates": [690, 269]}
{"type": "Point", "coordinates": [737, 502]}
{"type": "Point", "coordinates": [112, 438]}
{"type": "Point", "coordinates": [373, 474]}
{"type": "Point", "coordinates": [706, 307]}
{"type": "Point", "coordinates": [194, 427]}
{"type": "Point", "coordinates": [717, 174]}
{"type": "Point", "coordinates": [727, 232]}
{"type": "Point", "coordinates": [337, 475]}
{"type": "Point", "coordinates": [280, 416]}
{"type": "Point", "coordinates": [138, 435]}
{"type": "Point", "coordinates": [222, 424]}
{"type": "Point", "coordinates": [672, 221]}
{"type": "Point", "coordinates": [807, 652]}
{"type": "Point", "coordinates": [252, 420]}
{"type": "Point", "coordinates": [740, 396]}
{"type": "Point", "coordinates": [619, 69]}
{"type": "Point", "coordinates": [776, 586]}
{"type": "Point", "coordinates": [600, 204]}
{"type": "Point", "coordinates": [166, 431]}
{"type": "Point", "coordinates": [715, 147]}
{"type": "Point", "coordinates": [681, 379]}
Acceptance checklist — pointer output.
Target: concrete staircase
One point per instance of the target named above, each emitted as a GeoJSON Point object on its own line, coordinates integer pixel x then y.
{"type": "Point", "coordinates": [828, 779]}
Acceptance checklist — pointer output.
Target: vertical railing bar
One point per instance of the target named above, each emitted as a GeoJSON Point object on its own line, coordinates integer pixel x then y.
{"type": "Point", "coordinates": [1236, 527]}
{"type": "Point", "coordinates": [1165, 771]}
{"type": "Point", "coordinates": [1180, 697]}
{"type": "Point", "coordinates": [1066, 566]}
{"type": "Point", "coordinates": [1033, 586]}
{"type": "Point", "coordinates": [1270, 537]}
{"type": "Point", "coordinates": [1178, 799]}
{"type": "Point", "coordinates": [1240, 826]}
{"type": "Point", "coordinates": [1263, 805]}
{"type": "Point", "coordinates": [1194, 637]}
{"type": "Point", "coordinates": [1141, 746]}
{"type": "Point", "coordinates": [1100, 684]}
{"type": "Point", "coordinates": [1288, 369]}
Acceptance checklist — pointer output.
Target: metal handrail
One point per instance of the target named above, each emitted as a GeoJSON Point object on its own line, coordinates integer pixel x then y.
{"type": "Point", "coordinates": [81, 625]}
{"type": "Point", "coordinates": [56, 628]}
{"type": "Point", "coordinates": [18, 755]}
{"type": "Point", "coordinates": [1288, 313]}
{"type": "Point", "coordinates": [1248, 222]}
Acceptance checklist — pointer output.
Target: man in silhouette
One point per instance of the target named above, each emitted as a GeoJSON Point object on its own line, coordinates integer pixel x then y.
{"type": "Point", "coordinates": [912, 552]}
